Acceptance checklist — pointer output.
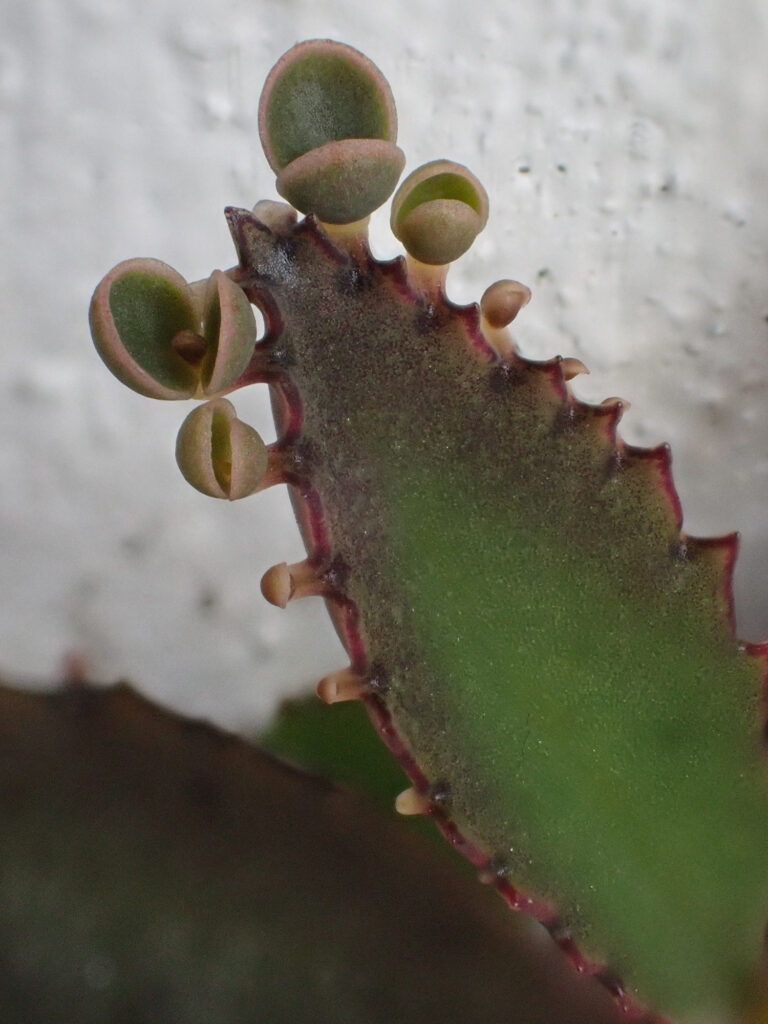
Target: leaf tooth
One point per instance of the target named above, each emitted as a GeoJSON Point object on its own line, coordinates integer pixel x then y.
{"type": "Point", "coordinates": [719, 554]}
{"type": "Point", "coordinates": [759, 652]}
{"type": "Point", "coordinates": [494, 872]}
{"type": "Point", "coordinates": [610, 980]}
{"type": "Point", "coordinates": [561, 934]}
{"type": "Point", "coordinates": [268, 257]}
{"type": "Point", "coordinates": [656, 463]}
{"type": "Point", "coordinates": [607, 417]}
{"type": "Point", "coordinates": [440, 797]}
{"type": "Point", "coordinates": [721, 550]}
{"type": "Point", "coordinates": [553, 372]}
{"type": "Point", "coordinates": [471, 317]}
{"type": "Point", "coordinates": [248, 233]}
{"type": "Point", "coordinates": [620, 405]}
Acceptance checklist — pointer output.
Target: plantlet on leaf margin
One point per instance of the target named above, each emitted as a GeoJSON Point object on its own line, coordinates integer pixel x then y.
{"type": "Point", "coordinates": [167, 339]}
{"type": "Point", "coordinates": [219, 454]}
{"type": "Point", "coordinates": [552, 662]}
{"type": "Point", "coordinates": [328, 126]}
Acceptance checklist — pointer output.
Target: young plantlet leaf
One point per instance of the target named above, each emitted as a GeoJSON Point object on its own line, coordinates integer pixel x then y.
{"type": "Point", "coordinates": [438, 211]}
{"type": "Point", "coordinates": [500, 304]}
{"type": "Point", "coordinates": [278, 217]}
{"type": "Point", "coordinates": [502, 301]}
{"type": "Point", "coordinates": [328, 126]}
{"type": "Point", "coordinates": [166, 339]}
{"type": "Point", "coordinates": [137, 312]}
{"type": "Point", "coordinates": [219, 454]}
{"type": "Point", "coordinates": [229, 327]}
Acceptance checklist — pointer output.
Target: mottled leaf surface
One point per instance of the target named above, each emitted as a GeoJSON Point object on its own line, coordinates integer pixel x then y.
{"type": "Point", "coordinates": [549, 654]}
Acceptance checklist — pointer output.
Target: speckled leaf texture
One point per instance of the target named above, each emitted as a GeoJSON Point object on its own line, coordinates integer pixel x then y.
{"type": "Point", "coordinates": [551, 660]}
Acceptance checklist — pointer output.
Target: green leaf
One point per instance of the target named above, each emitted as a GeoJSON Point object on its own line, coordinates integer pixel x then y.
{"type": "Point", "coordinates": [558, 659]}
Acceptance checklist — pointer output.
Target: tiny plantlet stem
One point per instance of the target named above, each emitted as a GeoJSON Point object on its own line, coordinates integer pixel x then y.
{"type": "Point", "coordinates": [427, 279]}
{"type": "Point", "coordinates": [550, 659]}
{"type": "Point", "coordinates": [350, 238]}
{"type": "Point", "coordinates": [340, 687]}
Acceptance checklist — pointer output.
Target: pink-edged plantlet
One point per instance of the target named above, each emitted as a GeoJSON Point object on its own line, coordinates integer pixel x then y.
{"type": "Point", "coordinates": [328, 126]}
{"type": "Point", "coordinates": [168, 339]}
{"type": "Point", "coordinates": [219, 454]}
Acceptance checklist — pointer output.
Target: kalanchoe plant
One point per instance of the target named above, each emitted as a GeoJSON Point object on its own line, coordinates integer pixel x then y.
{"type": "Point", "coordinates": [550, 659]}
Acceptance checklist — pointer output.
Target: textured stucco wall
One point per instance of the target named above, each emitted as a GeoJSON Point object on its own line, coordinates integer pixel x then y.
{"type": "Point", "coordinates": [622, 144]}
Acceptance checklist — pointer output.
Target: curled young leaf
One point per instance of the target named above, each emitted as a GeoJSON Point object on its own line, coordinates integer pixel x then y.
{"type": "Point", "coordinates": [136, 313]}
{"type": "Point", "coordinates": [502, 301]}
{"type": "Point", "coordinates": [166, 339]}
{"type": "Point", "coordinates": [328, 126]}
{"type": "Point", "coordinates": [229, 328]}
{"type": "Point", "coordinates": [220, 455]}
{"type": "Point", "coordinates": [438, 211]}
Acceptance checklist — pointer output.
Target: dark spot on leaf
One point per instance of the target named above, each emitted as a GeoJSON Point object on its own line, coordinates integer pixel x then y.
{"type": "Point", "coordinates": [378, 681]}
{"type": "Point", "coordinates": [336, 574]}
{"type": "Point", "coordinates": [502, 377]}
{"type": "Point", "coordinates": [352, 280]}
{"type": "Point", "coordinates": [440, 795]}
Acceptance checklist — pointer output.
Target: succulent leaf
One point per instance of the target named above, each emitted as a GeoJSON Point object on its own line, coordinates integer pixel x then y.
{"type": "Point", "coordinates": [344, 181]}
{"type": "Point", "coordinates": [322, 91]}
{"type": "Point", "coordinates": [552, 661]}
{"type": "Point", "coordinates": [229, 327]}
{"type": "Point", "coordinates": [149, 328]}
{"type": "Point", "coordinates": [438, 211]}
{"type": "Point", "coordinates": [541, 644]}
{"type": "Point", "coordinates": [220, 455]}
{"type": "Point", "coordinates": [136, 312]}
{"type": "Point", "coordinates": [328, 126]}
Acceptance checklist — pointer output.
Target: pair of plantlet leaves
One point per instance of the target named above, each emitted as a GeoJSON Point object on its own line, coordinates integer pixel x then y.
{"type": "Point", "coordinates": [551, 660]}
{"type": "Point", "coordinates": [167, 339]}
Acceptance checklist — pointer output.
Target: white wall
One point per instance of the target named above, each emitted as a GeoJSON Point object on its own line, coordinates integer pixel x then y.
{"type": "Point", "coordinates": [640, 222]}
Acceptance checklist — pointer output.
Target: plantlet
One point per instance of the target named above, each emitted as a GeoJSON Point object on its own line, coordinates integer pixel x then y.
{"type": "Point", "coordinates": [552, 662]}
